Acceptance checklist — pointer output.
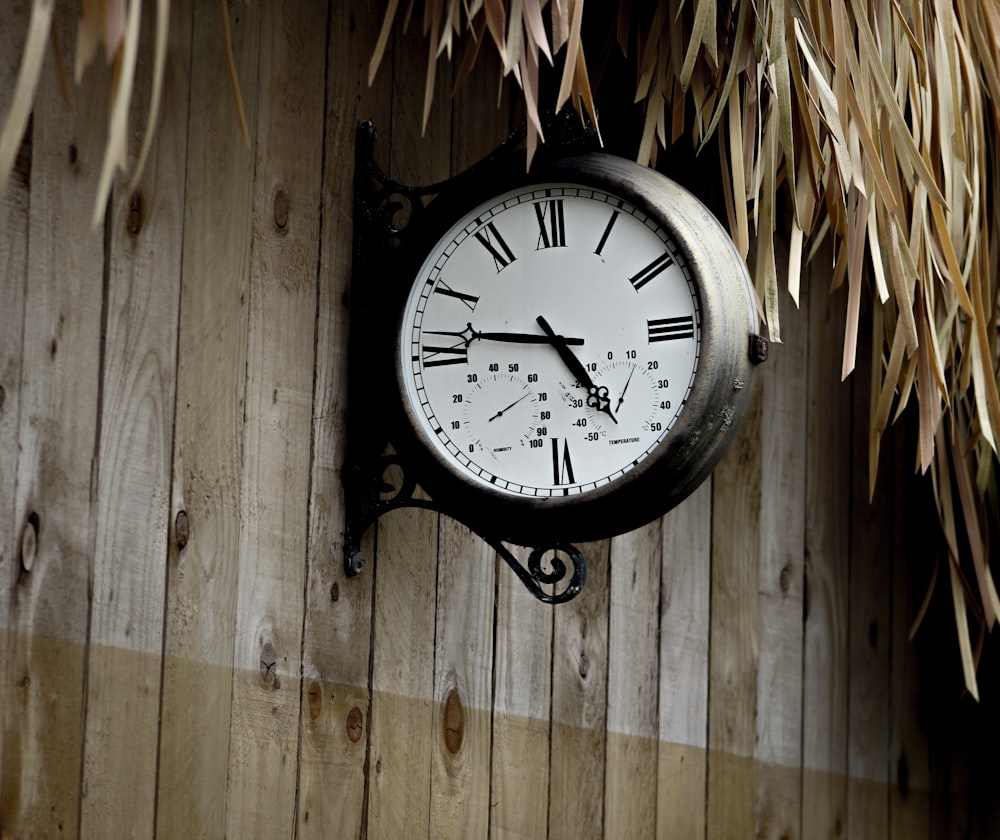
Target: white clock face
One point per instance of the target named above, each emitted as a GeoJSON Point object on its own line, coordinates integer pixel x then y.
{"type": "Point", "coordinates": [550, 341]}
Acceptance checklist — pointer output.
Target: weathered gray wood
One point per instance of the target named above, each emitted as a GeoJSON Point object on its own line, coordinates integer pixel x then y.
{"type": "Point", "coordinates": [869, 716]}
{"type": "Point", "coordinates": [135, 457]}
{"type": "Point", "coordinates": [337, 632]}
{"type": "Point", "coordinates": [55, 506]}
{"type": "Point", "coordinates": [778, 750]}
{"type": "Point", "coordinates": [735, 632]}
{"type": "Point", "coordinates": [631, 761]}
{"type": "Point", "coordinates": [264, 730]}
{"type": "Point", "coordinates": [14, 202]}
{"type": "Point", "coordinates": [522, 702]}
{"type": "Point", "coordinates": [825, 645]}
{"type": "Point", "coordinates": [579, 704]}
{"type": "Point", "coordinates": [685, 590]}
{"type": "Point", "coordinates": [204, 564]}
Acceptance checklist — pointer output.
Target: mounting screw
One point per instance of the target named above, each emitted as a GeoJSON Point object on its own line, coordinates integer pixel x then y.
{"type": "Point", "coordinates": [758, 349]}
{"type": "Point", "coordinates": [354, 563]}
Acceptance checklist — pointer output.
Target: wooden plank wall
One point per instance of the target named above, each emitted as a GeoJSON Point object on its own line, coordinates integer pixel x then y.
{"type": "Point", "coordinates": [181, 653]}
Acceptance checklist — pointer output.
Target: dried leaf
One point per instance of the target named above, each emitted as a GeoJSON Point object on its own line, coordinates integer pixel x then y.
{"type": "Point", "coordinates": [24, 88]}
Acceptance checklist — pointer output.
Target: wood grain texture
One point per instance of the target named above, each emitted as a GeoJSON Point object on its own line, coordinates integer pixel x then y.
{"type": "Point", "coordinates": [463, 690]}
{"type": "Point", "coordinates": [337, 633]}
{"type": "Point", "coordinates": [14, 204]}
{"type": "Point", "coordinates": [278, 418]}
{"type": "Point", "coordinates": [825, 644]}
{"type": "Point", "coordinates": [869, 710]}
{"type": "Point", "coordinates": [203, 575]}
{"type": "Point", "coordinates": [135, 456]}
{"type": "Point", "coordinates": [402, 708]}
{"type": "Point", "coordinates": [685, 590]}
{"type": "Point", "coordinates": [522, 702]}
{"type": "Point", "coordinates": [172, 429]}
{"type": "Point", "coordinates": [783, 382]}
{"type": "Point", "coordinates": [579, 704]}
{"type": "Point", "coordinates": [734, 633]}
{"type": "Point", "coordinates": [55, 507]}
{"type": "Point", "coordinates": [631, 760]}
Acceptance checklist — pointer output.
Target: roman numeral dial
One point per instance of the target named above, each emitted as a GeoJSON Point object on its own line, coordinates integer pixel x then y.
{"type": "Point", "coordinates": [550, 341]}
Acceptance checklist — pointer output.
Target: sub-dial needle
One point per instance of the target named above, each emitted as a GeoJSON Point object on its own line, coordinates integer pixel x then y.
{"type": "Point", "coordinates": [621, 397]}
{"type": "Point", "coordinates": [502, 411]}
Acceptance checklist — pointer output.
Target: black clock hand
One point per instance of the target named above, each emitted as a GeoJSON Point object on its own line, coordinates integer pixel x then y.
{"type": "Point", "coordinates": [521, 338]}
{"type": "Point", "coordinates": [621, 397]}
{"type": "Point", "coordinates": [502, 411]}
{"type": "Point", "coordinates": [597, 396]}
{"type": "Point", "coordinates": [469, 334]}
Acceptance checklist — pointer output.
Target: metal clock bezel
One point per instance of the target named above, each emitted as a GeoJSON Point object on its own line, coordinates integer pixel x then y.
{"type": "Point", "coordinates": [704, 428]}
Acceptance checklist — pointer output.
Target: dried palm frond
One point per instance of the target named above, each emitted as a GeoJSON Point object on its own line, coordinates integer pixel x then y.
{"type": "Point", "coordinates": [880, 122]}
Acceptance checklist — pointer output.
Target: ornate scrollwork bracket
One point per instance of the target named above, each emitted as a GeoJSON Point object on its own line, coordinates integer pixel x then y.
{"type": "Point", "coordinates": [375, 482]}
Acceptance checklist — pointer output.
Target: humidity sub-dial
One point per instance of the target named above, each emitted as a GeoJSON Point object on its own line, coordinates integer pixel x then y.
{"type": "Point", "coordinates": [501, 413]}
{"type": "Point", "coordinates": [634, 395]}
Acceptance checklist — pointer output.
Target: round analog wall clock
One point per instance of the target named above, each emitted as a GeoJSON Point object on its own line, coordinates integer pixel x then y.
{"type": "Point", "coordinates": [572, 351]}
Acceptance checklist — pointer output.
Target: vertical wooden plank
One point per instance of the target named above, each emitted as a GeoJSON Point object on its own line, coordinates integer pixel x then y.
{"type": "Point", "coordinates": [14, 205]}
{"type": "Point", "coordinates": [463, 693]}
{"type": "Point", "coordinates": [403, 635]}
{"type": "Point", "coordinates": [337, 634]}
{"type": "Point", "coordinates": [778, 752]}
{"type": "Point", "coordinates": [825, 652]}
{"type": "Point", "coordinates": [463, 653]}
{"type": "Point", "coordinates": [734, 633]}
{"type": "Point", "coordinates": [633, 684]}
{"type": "Point", "coordinates": [134, 453]}
{"type": "Point", "coordinates": [402, 674]}
{"type": "Point", "coordinates": [203, 569]}
{"type": "Point", "coordinates": [522, 702]}
{"type": "Point", "coordinates": [278, 418]}
{"type": "Point", "coordinates": [579, 704]}
{"type": "Point", "coordinates": [55, 504]}
{"type": "Point", "coordinates": [685, 590]}
{"type": "Point", "coordinates": [909, 746]}
{"type": "Point", "coordinates": [870, 622]}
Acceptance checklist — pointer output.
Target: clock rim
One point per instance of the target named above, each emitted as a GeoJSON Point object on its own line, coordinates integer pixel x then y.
{"type": "Point", "coordinates": [702, 431]}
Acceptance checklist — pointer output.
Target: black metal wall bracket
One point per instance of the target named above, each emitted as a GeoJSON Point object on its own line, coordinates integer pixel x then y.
{"type": "Point", "coordinates": [376, 479]}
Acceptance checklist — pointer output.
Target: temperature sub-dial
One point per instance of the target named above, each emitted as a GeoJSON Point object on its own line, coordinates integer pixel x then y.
{"type": "Point", "coordinates": [500, 414]}
{"type": "Point", "coordinates": [634, 397]}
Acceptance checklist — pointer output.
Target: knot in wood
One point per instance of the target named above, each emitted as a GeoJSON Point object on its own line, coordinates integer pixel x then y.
{"type": "Point", "coordinates": [182, 529]}
{"type": "Point", "coordinates": [134, 220]}
{"type": "Point", "coordinates": [454, 722]}
{"type": "Point", "coordinates": [282, 204]}
{"type": "Point", "coordinates": [29, 542]}
{"type": "Point", "coordinates": [355, 725]}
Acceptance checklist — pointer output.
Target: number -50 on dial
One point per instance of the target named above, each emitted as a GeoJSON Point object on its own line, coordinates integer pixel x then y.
{"type": "Point", "coordinates": [571, 353]}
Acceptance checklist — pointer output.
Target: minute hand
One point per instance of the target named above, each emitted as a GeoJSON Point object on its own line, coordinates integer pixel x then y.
{"type": "Point", "coordinates": [596, 397]}
{"type": "Point", "coordinates": [522, 338]}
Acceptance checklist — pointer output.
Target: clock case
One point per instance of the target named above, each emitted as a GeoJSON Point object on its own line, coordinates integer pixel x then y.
{"type": "Point", "coordinates": [389, 455]}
